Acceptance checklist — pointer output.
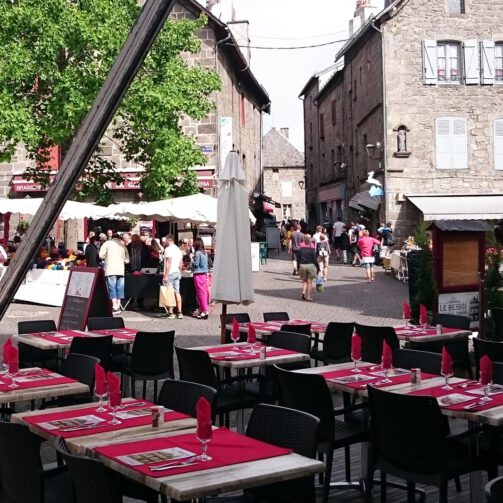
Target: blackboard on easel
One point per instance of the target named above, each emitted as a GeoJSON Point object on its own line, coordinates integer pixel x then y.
{"type": "Point", "coordinates": [86, 296]}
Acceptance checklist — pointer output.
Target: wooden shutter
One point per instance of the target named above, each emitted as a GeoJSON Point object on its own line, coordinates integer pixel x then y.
{"type": "Point", "coordinates": [471, 58]}
{"type": "Point", "coordinates": [443, 143]}
{"type": "Point", "coordinates": [459, 144]}
{"type": "Point", "coordinates": [498, 144]}
{"type": "Point", "coordinates": [487, 61]}
{"type": "Point", "coordinates": [429, 62]}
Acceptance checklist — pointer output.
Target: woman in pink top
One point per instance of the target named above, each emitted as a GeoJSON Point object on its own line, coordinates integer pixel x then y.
{"type": "Point", "coordinates": [366, 246]}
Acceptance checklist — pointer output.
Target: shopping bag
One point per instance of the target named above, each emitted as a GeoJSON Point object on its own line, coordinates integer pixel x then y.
{"type": "Point", "coordinates": [166, 296]}
{"type": "Point", "coordinates": [319, 284]}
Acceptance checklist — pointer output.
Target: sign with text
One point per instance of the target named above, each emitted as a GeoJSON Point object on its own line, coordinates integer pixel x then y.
{"type": "Point", "coordinates": [460, 304]}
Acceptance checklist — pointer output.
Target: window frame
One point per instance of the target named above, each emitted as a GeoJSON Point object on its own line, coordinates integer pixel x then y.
{"type": "Point", "coordinates": [462, 7]}
{"type": "Point", "coordinates": [453, 142]}
{"type": "Point", "coordinates": [447, 45]}
{"type": "Point", "coordinates": [498, 48]}
{"type": "Point", "coordinates": [497, 148]}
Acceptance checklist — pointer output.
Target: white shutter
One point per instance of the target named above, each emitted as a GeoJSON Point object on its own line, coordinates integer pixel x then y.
{"type": "Point", "coordinates": [498, 144]}
{"type": "Point", "coordinates": [487, 61]}
{"type": "Point", "coordinates": [429, 62]}
{"type": "Point", "coordinates": [459, 144]}
{"type": "Point", "coordinates": [471, 54]}
{"type": "Point", "coordinates": [443, 143]}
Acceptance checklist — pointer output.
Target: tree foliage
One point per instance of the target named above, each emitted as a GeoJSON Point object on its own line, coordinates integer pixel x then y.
{"type": "Point", "coordinates": [54, 57]}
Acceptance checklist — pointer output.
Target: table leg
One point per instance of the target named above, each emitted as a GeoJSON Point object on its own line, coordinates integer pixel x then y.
{"type": "Point", "coordinates": [476, 485]}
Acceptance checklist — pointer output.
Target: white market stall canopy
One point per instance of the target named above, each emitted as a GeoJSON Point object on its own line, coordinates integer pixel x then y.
{"type": "Point", "coordinates": [197, 209]}
{"type": "Point", "coordinates": [459, 207]}
{"type": "Point", "coordinates": [71, 210]}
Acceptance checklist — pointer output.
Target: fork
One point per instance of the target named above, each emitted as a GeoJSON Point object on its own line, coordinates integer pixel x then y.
{"type": "Point", "coordinates": [175, 464]}
{"type": "Point", "coordinates": [475, 405]}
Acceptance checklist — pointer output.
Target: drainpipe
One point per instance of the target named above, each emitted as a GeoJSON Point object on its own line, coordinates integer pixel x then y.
{"type": "Point", "coordinates": [261, 151]}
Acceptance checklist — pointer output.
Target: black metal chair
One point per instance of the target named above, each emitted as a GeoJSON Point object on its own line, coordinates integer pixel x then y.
{"type": "Point", "coordinates": [96, 483]}
{"type": "Point", "coordinates": [105, 322]}
{"type": "Point", "coordinates": [232, 394]}
{"type": "Point", "coordinates": [409, 439]}
{"type": "Point", "coordinates": [99, 347]}
{"type": "Point", "coordinates": [411, 358]}
{"type": "Point", "coordinates": [276, 316]}
{"type": "Point", "coordinates": [372, 339]}
{"type": "Point", "coordinates": [336, 344]}
{"type": "Point", "coordinates": [30, 356]}
{"type": "Point", "coordinates": [494, 490]}
{"type": "Point", "coordinates": [182, 396]}
{"type": "Point", "coordinates": [304, 328]}
{"type": "Point", "coordinates": [309, 393]}
{"type": "Point", "coordinates": [497, 315]}
{"type": "Point", "coordinates": [490, 348]}
{"type": "Point", "coordinates": [151, 359]}
{"type": "Point", "coordinates": [22, 477]}
{"type": "Point", "coordinates": [293, 341]}
{"type": "Point", "coordinates": [240, 318]}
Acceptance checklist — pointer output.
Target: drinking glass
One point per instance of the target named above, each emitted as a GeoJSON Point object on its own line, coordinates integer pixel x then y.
{"type": "Point", "coordinates": [355, 361]}
{"type": "Point", "coordinates": [204, 447]}
{"type": "Point", "coordinates": [101, 398]}
{"type": "Point", "coordinates": [446, 376]}
{"type": "Point", "coordinates": [235, 339]}
{"type": "Point", "coordinates": [114, 402]}
{"type": "Point", "coordinates": [486, 398]}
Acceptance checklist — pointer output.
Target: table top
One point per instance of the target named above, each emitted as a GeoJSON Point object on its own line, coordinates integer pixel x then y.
{"type": "Point", "coordinates": [62, 339]}
{"type": "Point", "coordinates": [38, 392]}
{"type": "Point", "coordinates": [90, 438]}
{"type": "Point", "coordinates": [197, 484]}
{"type": "Point", "coordinates": [429, 334]}
{"type": "Point", "coordinates": [266, 328]}
{"type": "Point", "coordinates": [255, 362]}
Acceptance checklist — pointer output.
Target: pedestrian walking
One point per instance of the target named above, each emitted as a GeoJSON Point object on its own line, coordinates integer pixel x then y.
{"type": "Point", "coordinates": [308, 269]}
{"type": "Point", "coordinates": [293, 247]}
{"type": "Point", "coordinates": [338, 226]}
{"type": "Point", "coordinates": [173, 263]}
{"type": "Point", "coordinates": [366, 246]}
{"type": "Point", "coordinates": [200, 275]}
{"type": "Point", "coordinates": [323, 256]}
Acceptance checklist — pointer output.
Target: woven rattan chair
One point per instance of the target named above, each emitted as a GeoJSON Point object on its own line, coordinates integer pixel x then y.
{"type": "Point", "coordinates": [30, 356]}
{"type": "Point", "coordinates": [494, 490]}
{"type": "Point", "coordinates": [372, 339]}
{"type": "Point", "coordinates": [424, 360]}
{"type": "Point", "coordinates": [301, 328]}
{"type": "Point", "coordinates": [240, 318]}
{"type": "Point", "coordinates": [336, 344]}
{"type": "Point", "coordinates": [276, 316]}
{"type": "Point", "coordinates": [105, 323]}
{"type": "Point", "coordinates": [490, 348]}
{"type": "Point", "coordinates": [98, 347]}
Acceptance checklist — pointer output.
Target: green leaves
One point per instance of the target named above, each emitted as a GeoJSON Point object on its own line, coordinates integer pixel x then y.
{"type": "Point", "coordinates": [54, 57]}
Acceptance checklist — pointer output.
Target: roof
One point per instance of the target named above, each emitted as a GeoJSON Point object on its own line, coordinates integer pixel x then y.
{"type": "Point", "coordinates": [231, 49]}
{"type": "Point", "coordinates": [462, 225]}
{"type": "Point", "coordinates": [278, 152]}
{"type": "Point", "coordinates": [325, 75]}
{"type": "Point", "coordinates": [459, 206]}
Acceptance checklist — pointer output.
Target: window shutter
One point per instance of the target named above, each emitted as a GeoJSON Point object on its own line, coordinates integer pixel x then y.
{"type": "Point", "coordinates": [487, 61]}
{"type": "Point", "coordinates": [498, 144]}
{"type": "Point", "coordinates": [459, 144]}
{"type": "Point", "coordinates": [444, 157]}
{"type": "Point", "coordinates": [471, 54]}
{"type": "Point", "coordinates": [429, 62]}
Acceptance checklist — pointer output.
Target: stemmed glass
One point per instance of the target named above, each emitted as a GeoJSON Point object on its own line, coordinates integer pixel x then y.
{"type": "Point", "coordinates": [407, 321]}
{"type": "Point", "coordinates": [486, 398]}
{"type": "Point", "coordinates": [114, 402]}
{"type": "Point", "coordinates": [12, 373]}
{"type": "Point", "coordinates": [235, 339]}
{"type": "Point", "coordinates": [386, 365]}
{"type": "Point", "coordinates": [355, 361]}
{"type": "Point", "coordinates": [446, 376]}
{"type": "Point", "coordinates": [101, 392]}
{"type": "Point", "coordinates": [204, 446]}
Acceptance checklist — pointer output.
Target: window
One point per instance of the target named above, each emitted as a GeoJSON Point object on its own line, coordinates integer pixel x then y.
{"type": "Point", "coordinates": [287, 211]}
{"type": "Point", "coordinates": [456, 6]}
{"type": "Point", "coordinates": [322, 126]}
{"type": "Point", "coordinates": [448, 62]}
{"type": "Point", "coordinates": [452, 151]}
{"type": "Point", "coordinates": [334, 113]}
{"type": "Point", "coordinates": [498, 144]}
{"type": "Point", "coordinates": [498, 62]}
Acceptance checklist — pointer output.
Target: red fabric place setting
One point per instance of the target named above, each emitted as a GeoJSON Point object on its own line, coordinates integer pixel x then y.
{"type": "Point", "coordinates": [62, 337]}
{"type": "Point", "coordinates": [118, 333]}
{"type": "Point", "coordinates": [87, 421]}
{"type": "Point", "coordinates": [225, 448]}
{"type": "Point", "coordinates": [35, 378]}
{"type": "Point", "coordinates": [242, 352]}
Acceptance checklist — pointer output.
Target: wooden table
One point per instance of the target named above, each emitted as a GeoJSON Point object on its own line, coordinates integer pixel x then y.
{"type": "Point", "coordinates": [413, 334]}
{"type": "Point", "coordinates": [198, 484]}
{"type": "Point", "coordinates": [267, 328]}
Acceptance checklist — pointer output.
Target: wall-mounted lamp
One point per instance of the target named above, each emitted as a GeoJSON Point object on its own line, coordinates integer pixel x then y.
{"type": "Point", "coordinates": [374, 150]}
{"type": "Point", "coordinates": [302, 184]}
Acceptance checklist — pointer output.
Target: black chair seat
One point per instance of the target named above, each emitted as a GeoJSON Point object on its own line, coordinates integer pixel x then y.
{"type": "Point", "coordinates": [345, 432]}
{"type": "Point", "coordinates": [494, 490]}
{"type": "Point", "coordinates": [336, 344]}
{"type": "Point", "coordinates": [58, 486]}
{"type": "Point", "coordinates": [231, 399]}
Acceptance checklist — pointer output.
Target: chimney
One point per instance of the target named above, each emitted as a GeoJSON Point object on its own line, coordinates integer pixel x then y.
{"type": "Point", "coordinates": [240, 31]}
{"type": "Point", "coordinates": [210, 4]}
{"type": "Point", "coordinates": [284, 131]}
{"type": "Point", "coordinates": [387, 3]}
{"type": "Point", "coordinates": [364, 10]}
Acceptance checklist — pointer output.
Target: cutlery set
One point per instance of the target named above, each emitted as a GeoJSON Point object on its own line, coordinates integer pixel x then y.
{"type": "Point", "coordinates": [175, 464]}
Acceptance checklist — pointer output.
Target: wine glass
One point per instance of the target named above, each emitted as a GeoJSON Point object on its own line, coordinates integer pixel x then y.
{"type": "Point", "coordinates": [386, 365]}
{"type": "Point", "coordinates": [355, 361]}
{"type": "Point", "coordinates": [204, 447]}
{"type": "Point", "coordinates": [12, 373]}
{"type": "Point", "coordinates": [406, 319]}
{"type": "Point", "coordinates": [114, 402]}
{"type": "Point", "coordinates": [235, 339]}
{"type": "Point", "coordinates": [446, 376]}
{"type": "Point", "coordinates": [486, 398]}
{"type": "Point", "coordinates": [102, 393]}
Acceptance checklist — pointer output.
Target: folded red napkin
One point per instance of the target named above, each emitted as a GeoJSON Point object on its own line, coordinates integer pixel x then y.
{"type": "Point", "coordinates": [406, 311]}
{"type": "Point", "coordinates": [252, 336]}
{"type": "Point", "coordinates": [356, 347]}
{"type": "Point", "coordinates": [486, 370]}
{"type": "Point", "coordinates": [423, 315]}
{"type": "Point", "coordinates": [446, 367]}
{"type": "Point", "coordinates": [235, 329]}
{"type": "Point", "coordinates": [203, 415]}
{"type": "Point", "coordinates": [13, 360]}
{"type": "Point", "coordinates": [6, 351]}
{"type": "Point", "coordinates": [387, 355]}
{"type": "Point", "coordinates": [114, 389]}
{"type": "Point", "coordinates": [100, 380]}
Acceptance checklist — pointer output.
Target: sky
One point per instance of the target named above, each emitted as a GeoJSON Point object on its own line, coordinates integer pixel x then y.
{"type": "Point", "coordinates": [283, 73]}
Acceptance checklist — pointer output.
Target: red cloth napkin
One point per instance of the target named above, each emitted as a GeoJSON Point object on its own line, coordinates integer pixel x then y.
{"type": "Point", "coordinates": [387, 355]}
{"type": "Point", "coordinates": [486, 370]}
{"type": "Point", "coordinates": [13, 360]}
{"type": "Point", "coordinates": [446, 367]}
{"type": "Point", "coordinates": [356, 347]}
{"type": "Point", "coordinates": [7, 351]}
{"type": "Point", "coordinates": [100, 380]}
{"type": "Point", "coordinates": [252, 336]}
{"type": "Point", "coordinates": [203, 415]}
{"type": "Point", "coordinates": [114, 389]}
{"type": "Point", "coordinates": [235, 329]}
{"type": "Point", "coordinates": [423, 315]}
{"type": "Point", "coordinates": [406, 311]}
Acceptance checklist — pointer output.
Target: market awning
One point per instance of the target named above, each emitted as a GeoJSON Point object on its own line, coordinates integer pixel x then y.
{"type": "Point", "coordinates": [364, 200]}
{"type": "Point", "coordinates": [459, 207]}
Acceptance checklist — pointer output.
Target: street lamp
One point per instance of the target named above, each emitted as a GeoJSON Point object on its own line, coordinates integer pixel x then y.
{"type": "Point", "coordinates": [374, 150]}
{"type": "Point", "coordinates": [302, 184]}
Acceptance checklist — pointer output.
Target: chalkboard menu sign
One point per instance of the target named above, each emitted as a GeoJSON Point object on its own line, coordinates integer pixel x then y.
{"type": "Point", "coordinates": [86, 295]}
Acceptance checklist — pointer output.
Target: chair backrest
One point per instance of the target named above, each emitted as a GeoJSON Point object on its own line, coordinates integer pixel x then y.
{"type": "Point", "coordinates": [290, 429]}
{"type": "Point", "coordinates": [92, 480]}
{"type": "Point", "coordinates": [99, 347]}
{"type": "Point", "coordinates": [494, 490]}
{"type": "Point", "coordinates": [484, 347]}
{"type": "Point", "coordinates": [80, 367]}
{"type": "Point", "coordinates": [20, 465]}
{"type": "Point", "coordinates": [337, 340]}
{"type": "Point", "coordinates": [195, 366]}
{"type": "Point", "coordinates": [293, 341]}
{"type": "Point", "coordinates": [304, 328]}
{"type": "Point", "coordinates": [393, 418]}
{"type": "Point", "coordinates": [152, 353]}
{"type": "Point", "coordinates": [308, 393]}
{"type": "Point", "coordinates": [182, 396]}
{"type": "Point", "coordinates": [497, 315]}
{"type": "Point", "coordinates": [105, 322]}
{"type": "Point", "coordinates": [372, 339]}
{"type": "Point", "coordinates": [276, 316]}
{"type": "Point", "coordinates": [498, 373]}
{"type": "Point", "coordinates": [451, 321]}
{"type": "Point", "coordinates": [424, 360]}
{"type": "Point", "coordinates": [30, 327]}
{"type": "Point", "coordinates": [240, 318]}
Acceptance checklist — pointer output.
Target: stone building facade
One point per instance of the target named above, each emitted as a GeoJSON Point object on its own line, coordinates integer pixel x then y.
{"type": "Point", "coordinates": [419, 90]}
{"type": "Point", "coordinates": [283, 175]}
